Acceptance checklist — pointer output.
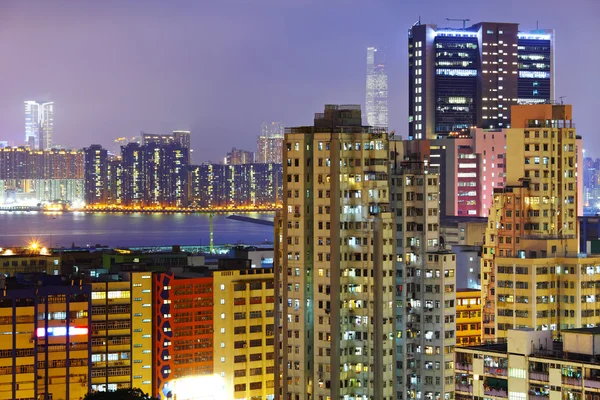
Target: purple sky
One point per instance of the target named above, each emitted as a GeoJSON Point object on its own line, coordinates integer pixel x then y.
{"type": "Point", "coordinates": [221, 67]}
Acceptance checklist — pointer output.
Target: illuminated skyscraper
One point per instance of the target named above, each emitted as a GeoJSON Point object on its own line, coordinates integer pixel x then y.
{"type": "Point", "coordinates": [425, 280]}
{"type": "Point", "coordinates": [377, 89]}
{"type": "Point", "coordinates": [39, 124]}
{"type": "Point", "coordinates": [335, 267]}
{"type": "Point", "coordinates": [96, 174]}
{"type": "Point", "coordinates": [269, 143]}
{"type": "Point", "coordinates": [239, 157]}
{"type": "Point", "coordinates": [459, 78]}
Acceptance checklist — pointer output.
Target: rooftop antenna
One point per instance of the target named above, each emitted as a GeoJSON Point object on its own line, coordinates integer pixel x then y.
{"type": "Point", "coordinates": [561, 99]}
{"type": "Point", "coordinates": [464, 21]}
{"type": "Point", "coordinates": [537, 25]}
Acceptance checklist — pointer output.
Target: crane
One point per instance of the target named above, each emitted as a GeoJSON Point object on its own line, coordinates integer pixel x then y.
{"type": "Point", "coordinates": [464, 21]}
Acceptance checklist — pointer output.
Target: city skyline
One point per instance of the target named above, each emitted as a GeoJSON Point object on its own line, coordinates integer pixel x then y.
{"type": "Point", "coordinates": [106, 100]}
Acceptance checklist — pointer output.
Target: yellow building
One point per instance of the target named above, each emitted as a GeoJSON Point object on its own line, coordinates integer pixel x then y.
{"type": "Point", "coordinates": [531, 365]}
{"type": "Point", "coordinates": [29, 260]}
{"type": "Point", "coordinates": [531, 241]}
{"type": "Point", "coordinates": [244, 332]}
{"type": "Point", "coordinates": [468, 317]}
{"type": "Point", "coordinates": [335, 261]}
{"type": "Point", "coordinates": [122, 333]}
{"type": "Point", "coordinates": [44, 353]}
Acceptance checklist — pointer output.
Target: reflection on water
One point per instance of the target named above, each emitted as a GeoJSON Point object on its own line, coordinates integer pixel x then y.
{"type": "Point", "coordinates": [135, 229]}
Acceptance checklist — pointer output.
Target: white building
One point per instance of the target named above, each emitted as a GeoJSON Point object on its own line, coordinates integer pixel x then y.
{"type": "Point", "coordinates": [377, 89]}
{"type": "Point", "coordinates": [39, 124]}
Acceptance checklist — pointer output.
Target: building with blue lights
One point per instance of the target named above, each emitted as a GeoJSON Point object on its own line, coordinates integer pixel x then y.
{"type": "Point", "coordinates": [460, 78]}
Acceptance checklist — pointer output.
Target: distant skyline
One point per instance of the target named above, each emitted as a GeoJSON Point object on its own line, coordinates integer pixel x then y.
{"type": "Point", "coordinates": [221, 68]}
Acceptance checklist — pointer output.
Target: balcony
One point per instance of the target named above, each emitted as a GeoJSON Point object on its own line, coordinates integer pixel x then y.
{"type": "Point", "coordinates": [591, 383]}
{"type": "Point", "coordinates": [463, 366]}
{"type": "Point", "coordinates": [495, 387]}
{"type": "Point", "coordinates": [539, 376]}
{"type": "Point", "coordinates": [571, 381]}
{"type": "Point", "coordinates": [538, 397]}
{"type": "Point", "coordinates": [464, 388]}
{"type": "Point", "coordinates": [496, 371]}
{"type": "Point", "coordinates": [495, 392]}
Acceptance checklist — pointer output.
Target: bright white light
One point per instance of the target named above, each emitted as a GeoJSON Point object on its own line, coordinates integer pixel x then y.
{"type": "Point", "coordinates": [62, 331]}
{"type": "Point", "coordinates": [456, 33]}
{"type": "Point", "coordinates": [533, 36]}
{"type": "Point", "coordinates": [78, 205]}
{"type": "Point", "coordinates": [210, 387]}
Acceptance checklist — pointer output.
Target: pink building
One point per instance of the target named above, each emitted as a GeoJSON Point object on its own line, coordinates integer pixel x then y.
{"type": "Point", "coordinates": [471, 166]}
{"type": "Point", "coordinates": [490, 145]}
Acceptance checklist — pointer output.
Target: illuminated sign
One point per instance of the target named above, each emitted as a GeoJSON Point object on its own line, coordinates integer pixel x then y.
{"type": "Point", "coordinates": [533, 36]}
{"type": "Point", "coordinates": [62, 331]}
{"type": "Point", "coordinates": [456, 33]}
{"type": "Point", "coordinates": [534, 74]}
{"type": "Point", "coordinates": [456, 72]}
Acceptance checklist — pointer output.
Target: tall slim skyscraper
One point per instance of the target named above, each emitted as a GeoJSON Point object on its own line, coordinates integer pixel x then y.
{"type": "Point", "coordinates": [425, 281]}
{"type": "Point", "coordinates": [96, 174]}
{"type": "Point", "coordinates": [39, 124]}
{"type": "Point", "coordinates": [377, 89]}
{"type": "Point", "coordinates": [335, 268]}
{"type": "Point", "coordinates": [269, 143]}
{"type": "Point", "coordinates": [460, 78]}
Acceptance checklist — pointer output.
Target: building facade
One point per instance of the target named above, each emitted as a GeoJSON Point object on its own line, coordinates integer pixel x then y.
{"type": "Point", "coordinates": [39, 125]}
{"type": "Point", "coordinates": [122, 332]}
{"type": "Point", "coordinates": [48, 321]}
{"type": "Point", "coordinates": [425, 282]}
{"type": "Point", "coordinates": [460, 78]}
{"type": "Point", "coordinates": [96, 175]}
{"type": "Point", "coordinates": [244, 332]}
{"type": "Point", "coordinates": [468, 317]}
{"type": "Point", "coordinates": [334, 262]}
{"type": "Point", "coordinates": [222, 186]}
{"type": "Point", "coordinates": [531, 365]}
{"type": "Point", "coordinates": [239, 156]}
{"type": "Point", "coordinates": [532, 232]}
{"type": "Point", "coordinates": [377, 89]}
{"type": "Point", "coordinates": [183, 330]}
{"type": "Point", "coordinates": [38, 176]}
{"type": "Point", "coordinates": [270, 143]}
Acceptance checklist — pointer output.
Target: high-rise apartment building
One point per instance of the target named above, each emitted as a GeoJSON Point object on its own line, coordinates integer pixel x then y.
{"type": "Point", "coordinates": [239, 156]}
{"type": "Point", "coordinates": [377, 89]}
{"type": "Point", "coordinates": [134, 173]}
{"type": "Point", "coordinates": [96, 174]}
{"type": "Point", "coordinates": [39, 124]}
{"type": "Point", "coordinates": [334, 262]}
{"type": "Point", "coordinates": [270, 143]}
{"type": "Point", "coordinates": [180, 137]}
{"type": "Point", "coordinates": [37, 176]}
{"type": "Point", "coordinates": [460, 78]}
{"type": "Point", "coordinates": [531, 249]}
{"type": "Point", "coordinates": [184, 332]}
{"type": "Point", "coordinates": [244, 332]}
{"type": "Point", "coordinates": [122, 334]}
{"type": "Point", "coordinates": [471, 165]}
{"type": "Point", "coordinates": [47, 319]}
{"type": "Point", "coordinates": [252, 185]}
{"type": "Point", "coordinates": [425, 282]}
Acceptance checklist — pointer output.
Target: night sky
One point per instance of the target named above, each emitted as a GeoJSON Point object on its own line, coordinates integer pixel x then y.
{"type": "Point", "coordinates": [221, 67]}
